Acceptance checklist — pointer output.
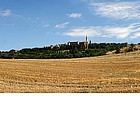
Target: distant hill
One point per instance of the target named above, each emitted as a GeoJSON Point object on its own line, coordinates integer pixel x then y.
{"type": "Point", "coordinates": [70, 51]}
{"type": "Point", "coordinates": [128, 48]}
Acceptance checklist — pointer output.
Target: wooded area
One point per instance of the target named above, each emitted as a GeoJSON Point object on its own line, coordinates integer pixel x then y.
{"type": "Point", "coordinates": [65, 51]}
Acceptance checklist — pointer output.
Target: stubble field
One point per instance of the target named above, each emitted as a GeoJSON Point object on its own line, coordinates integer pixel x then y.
{"type": "Point", "coordinates": [110, 73]}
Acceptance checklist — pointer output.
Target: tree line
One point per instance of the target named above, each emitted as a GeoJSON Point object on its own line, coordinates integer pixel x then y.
{"type": "Point", "coordinates": [64, 51]}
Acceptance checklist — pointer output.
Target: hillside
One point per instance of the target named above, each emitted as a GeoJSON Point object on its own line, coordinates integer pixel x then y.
{"type": "Point", "coordinates": [108, 73]}
{"type": "Point", "coordinates": [61, 51]}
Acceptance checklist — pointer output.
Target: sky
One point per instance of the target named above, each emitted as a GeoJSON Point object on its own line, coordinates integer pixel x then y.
{"type": "Point", "coordinates": [39, 23]}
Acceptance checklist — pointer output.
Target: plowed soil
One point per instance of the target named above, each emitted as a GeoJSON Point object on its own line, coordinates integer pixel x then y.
{"type": "Point", "coordinates": [109, 73]}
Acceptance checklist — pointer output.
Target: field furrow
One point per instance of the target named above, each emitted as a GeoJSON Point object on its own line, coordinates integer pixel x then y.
{"type": "Point", "coordinates": [109, 73]}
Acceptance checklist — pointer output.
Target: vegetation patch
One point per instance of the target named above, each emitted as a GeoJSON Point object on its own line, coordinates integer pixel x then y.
{"type": "Point", "coordinates": [69, 51]}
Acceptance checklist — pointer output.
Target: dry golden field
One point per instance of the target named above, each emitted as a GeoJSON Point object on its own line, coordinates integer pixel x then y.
{"type": "Point", "coordinates": [110, 73]}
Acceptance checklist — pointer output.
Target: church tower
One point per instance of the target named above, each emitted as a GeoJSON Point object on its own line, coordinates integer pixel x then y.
{"type": "Point", "coordinates": [86, 42]}
{"type": "Point", "coordinates": [86, 39]}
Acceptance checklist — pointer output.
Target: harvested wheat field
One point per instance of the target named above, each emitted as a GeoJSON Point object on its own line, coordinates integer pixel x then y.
{"type": "Point", "coordinates": [110, 73]}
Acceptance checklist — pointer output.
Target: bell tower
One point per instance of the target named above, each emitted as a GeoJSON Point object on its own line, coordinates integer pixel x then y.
{"type": "Point", "coordinates": [86, 42]}
{"type": "Point", "coordinates": [86, 38]}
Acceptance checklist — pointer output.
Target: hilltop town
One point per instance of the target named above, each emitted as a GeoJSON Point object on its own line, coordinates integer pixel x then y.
{"type": "Point", "coordinates": [79, 45]}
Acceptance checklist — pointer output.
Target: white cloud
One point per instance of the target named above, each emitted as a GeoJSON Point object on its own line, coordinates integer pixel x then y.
{"type": "Point", "coordinates": [5, 13]}
{"type": "Point", "coordinates": [61, 26]}
{"type": "Point", "coordinates": [130, 31]}
{"type": "Point", "coordinates": [74, 15]}
{"type": "Point", "coordinates": [46, 25]}
{"type": "Point", "coordinates": [136, 35]}
{"type": "Point", "coordinates": [83, 31]}
{"type": "Point", "coordinates": [116, 10]}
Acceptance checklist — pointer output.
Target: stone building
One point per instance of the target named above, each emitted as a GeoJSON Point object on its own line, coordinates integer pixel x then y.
{"type": "Point", "coordinates": [73, 43]}
{"type": "Point", "coordinates": [82, 45]}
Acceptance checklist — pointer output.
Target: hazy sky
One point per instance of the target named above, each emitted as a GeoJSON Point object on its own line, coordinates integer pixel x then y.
{"type": "Point", "coordinates": [36, 23]}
